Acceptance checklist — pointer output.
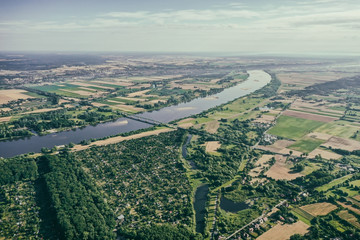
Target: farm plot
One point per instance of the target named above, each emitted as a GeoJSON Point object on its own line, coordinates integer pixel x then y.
{"type": "Point", "coordinates": [13, 94]}
{"type": "Point", "coordinates": [281, 170]}
{"type": "Point", "coordinates": [344, 214]}
{"type": "Point", "coordinates": [284, 232]}
{"type": "Point", "coordinates": [293, 128]}
{"type": "Point", "coordinates": [342, 129]}
{"type": "Point", "coordinates": [306, 145]}
{"type": "Point", "coordinates": [342, 143]}
{"type": "Point", "coordinates": [309, 116]}
{"type": "Point", "coordinates": [324, 154]}
{"type": "Point", "coordinates": [319, 209]}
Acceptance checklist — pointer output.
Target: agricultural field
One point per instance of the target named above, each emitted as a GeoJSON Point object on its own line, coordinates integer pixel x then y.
{"type": "Point", "coordinates": [281, 170]}
{"type": "Point", "coordinates": [306, 145]}
{"type": "Point", "coordinates": [283, 232]}
{"type": "Point", "coordinates": [349, 218]}
{"type": "Point", "coordinates": [13, 95]}
{"type": "Point", "coordinates": [293, 127]}
{"type": "Point", "coordinates": [319, 209]}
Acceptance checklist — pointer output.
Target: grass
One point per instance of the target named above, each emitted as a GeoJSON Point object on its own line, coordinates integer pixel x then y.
{"type": "Point", "coordinates": [306, 145]}
{"type": "Point", "coordinates": [293, 128]}
{"type": "Point", "coordinates": [355, 183]}
{"type": "Point", "coordinates": [302, 215]}
{"type": "Point", "coordinates": [329, 185]}
{"type": "Point", "coordinates": [338, 128]}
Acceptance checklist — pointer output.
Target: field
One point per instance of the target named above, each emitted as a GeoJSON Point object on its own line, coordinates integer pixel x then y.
{"type": "Point", "coordinates": [13, 94]}
{"type": "Point", "coordinates": [309, 116]}
{"type": "Point", "coordinates": [303, 215]}
{"type": "Point", "coordinates": [324, 154]}
{"type": "Point", "coordinates": [281, 170]}
{"type": "Point", "coordinates": [283, 232]}
{"type": "Point", "coordinates": [212, 146]}
{"type": "Point", "coordinates": [344, 214]}
{"type": "Point", "coordinates": [306, 145]}
{"type": "Point", "coordinates": [333, 183]}
{"type": "Point", "coordinates": [259, 165]}
{"type": "Point", "coordinates": [319, 209]}
{"type": "Point", "coordinates": [342, 143]}
{"type": "Point", "coordinates": [293, 128]}
{"type": "Point", "coordinates": [341, 129]}
{"type": "Point", "coordinates": [355, 210]}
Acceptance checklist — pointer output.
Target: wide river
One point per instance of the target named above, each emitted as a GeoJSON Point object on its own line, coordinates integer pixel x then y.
{"type": "Point", "coordinates": [257, 79]}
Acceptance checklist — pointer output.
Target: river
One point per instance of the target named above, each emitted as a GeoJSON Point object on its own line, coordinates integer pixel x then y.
{"type": "Point", "coordinates": [257, 79]}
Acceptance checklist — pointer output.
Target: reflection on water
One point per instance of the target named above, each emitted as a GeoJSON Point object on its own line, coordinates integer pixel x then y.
{"type": "Point", "coordinates": [199, 206]}
{"type": "Point", "coordinates": [231, 206]}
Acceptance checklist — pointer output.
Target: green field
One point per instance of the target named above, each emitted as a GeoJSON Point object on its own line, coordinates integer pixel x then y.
{"type": "Point", "coordinates": [293, 128]}
{"type": "Point", "coordinates": [306, 145]}
{"type": "Point", "coordinates": [338, 128]}
{"type": "Point", "coordinates": [333, 183]}
{"type": "Point", "coordinates": [303, 215]}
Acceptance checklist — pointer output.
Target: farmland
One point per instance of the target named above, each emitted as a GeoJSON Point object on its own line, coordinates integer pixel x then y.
{"type": "Point", "coordinates": [280, 161]}
{"type": "Point", "coordinates": [293, 128]}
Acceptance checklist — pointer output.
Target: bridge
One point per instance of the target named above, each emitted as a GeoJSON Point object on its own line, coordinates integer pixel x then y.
{"type": "Point", "coordinates": [146, 120]}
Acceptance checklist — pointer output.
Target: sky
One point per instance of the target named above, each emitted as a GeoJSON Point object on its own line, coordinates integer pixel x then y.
{"type": "Point", "coordinates": [216, 26]}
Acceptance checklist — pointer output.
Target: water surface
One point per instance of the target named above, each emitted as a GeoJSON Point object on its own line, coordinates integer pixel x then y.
{"type": "Point", "coordinates": [257, 79]}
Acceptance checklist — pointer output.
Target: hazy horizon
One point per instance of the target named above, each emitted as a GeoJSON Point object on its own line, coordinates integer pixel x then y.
{"type": "Point", "coordinates": [287, 28]}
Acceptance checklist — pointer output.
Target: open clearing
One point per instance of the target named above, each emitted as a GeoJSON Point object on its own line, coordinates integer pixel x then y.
{"type": "Point", "coordinates": [212, 126]}
{"type": "Point", "coordinates": [212, 146]}
{"type": "Point", "coordinates": [281, 170]}
{"type": "Point", "coordinates": [284, 232]}
{"type": "Point", "coordinates": [324, 154]}
{"type": "Point", "coordinates": [293, 128]}
{"type": "Point", "coordinates": [319, 209]}
{"type": "Point", "coordinates": [260, 164]}
{"type": "Point", "coordinates": [12, 94]}
{"type": "Point", "coordinates": [309, 116]}
{"type": "Point", "coordinates": [342, 143]}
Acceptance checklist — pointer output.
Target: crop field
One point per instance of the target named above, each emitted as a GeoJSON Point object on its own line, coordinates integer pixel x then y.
{"type": "Point", "coordinates": [324, 154]}
{"type": "Point", "coordinates": [344, 214]}
{"type": "Point", "coordinates": [319, 209]}
{"type": "Point", "coordinates": [350, 207]}
{"type": "Point", "coordinates": [309, 116]}
{"type": "Point", "coordinates": [306, 145]}
{"type": "Point", "coordinates": [293, 128]}
{"type": "Point", "coordinates": [303, 215]}
{"type": "Point", "coordinates": [342, 129]}
{"type": "Point", "coordinates": [284, 232]}
{"type": "Point", "coordinates": [281, 170]}
{"type": "Point", "coordinates": [342, 143]}
{"type": "Point", "coordinates": [13, 94]}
